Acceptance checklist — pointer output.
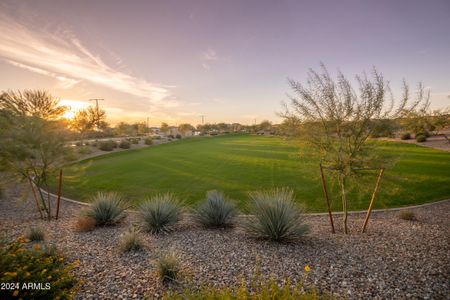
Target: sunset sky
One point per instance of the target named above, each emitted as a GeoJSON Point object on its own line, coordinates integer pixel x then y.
{"type": "Point", "coordinates": [174, 61]}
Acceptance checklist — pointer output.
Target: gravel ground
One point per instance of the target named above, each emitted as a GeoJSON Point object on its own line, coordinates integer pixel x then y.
{"type": "Point", "coordinates": [395, 259]}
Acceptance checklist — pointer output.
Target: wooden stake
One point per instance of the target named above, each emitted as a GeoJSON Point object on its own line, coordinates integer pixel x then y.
{"type": "Point", "coordinates": [369, 211]}
{"type": "Point", "coordinates": [325, 192]}
{"type": "Point", "coordinates": [35, 198]}
{"type": "Point", "coordinates": [59, 193]}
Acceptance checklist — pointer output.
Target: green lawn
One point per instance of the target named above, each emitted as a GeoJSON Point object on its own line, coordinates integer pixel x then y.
{"type": "Point", "coordinates": [237, 164]}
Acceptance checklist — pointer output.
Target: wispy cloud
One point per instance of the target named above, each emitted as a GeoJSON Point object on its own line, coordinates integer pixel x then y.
{"type": "Point", "coordinates": [62, 55]}
{"type": "Point", "coordinates": [208, 56]}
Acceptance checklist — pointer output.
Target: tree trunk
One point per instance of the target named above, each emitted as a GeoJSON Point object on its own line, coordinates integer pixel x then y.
{"type": "Point", "coordinates": [344, 201]}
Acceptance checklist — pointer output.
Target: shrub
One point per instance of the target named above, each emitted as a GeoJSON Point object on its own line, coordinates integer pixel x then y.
{"type": "Point", "coordinates": [257, 288]}
{"type": "Point", "coordinates": [216, 210]}
{"type": "Point", "coordinates": [178, 136]}
{"type": "Point", "coordinates": [85, 151]}
{"type": "Point", "coordinates": [135, 140]}
{"type": "Point", "coordinates": [169, 266]}
{"type": "Point", "coordinates": [40, 263]}
{"type": "Point", "coordinates": [85, 224]}
{"type": "Point", "coordinates": [160, 213]}
{"type": "Point", "coordinates": [131, 241]}
{"type": "Point", "coordinates": [148, 141]}
{"type": "Point", "coordinates": [405, 136]}
{"type": "Point", "coordinates": [94, 144]}
{"type": "Point", "coordinates": [107, 209]}
{"type": "Point", "coordinates": [36, 234]}
{"type": "Point", "coordinates": [107, 145]}
{"type": "Point", "coordinates": [79, 144]}
{"type": "Point", "coordinates": [407, 215]}
{"type": "Point", "coordinates": [275, 216]}
{"type": "Point", "coordinates": [421, 138]}
{"type": "Point", "coordinates": [124, 145]}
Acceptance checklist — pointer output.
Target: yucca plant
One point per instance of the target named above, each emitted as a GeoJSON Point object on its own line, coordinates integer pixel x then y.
{"type": "Point", "coordinates": [131, 241]}
{"type": "Point", "coordinates": [275, 216]}
{"type": "Point", "coordinates": [107, 208]}
{"type": "Point", "coordinates": [160, 213]}
{"type": "Point", "coordinates": [36, 234]}
{"type": "Point", "coordinates": [216, 211]}
{"type": "Point", "coordinates": [169, 266]}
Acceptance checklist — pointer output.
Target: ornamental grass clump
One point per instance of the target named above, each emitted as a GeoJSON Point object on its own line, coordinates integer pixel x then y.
{"type": "Point", "coordinates": [131, 241]}
{"type": "Point", "coordinates": [169, 267]}
{"type": "Point", "coordinates": [36, 234]}
{"type": "Point", "coordinates": [107, 209]}
{"type": "Point", "coordinates": [216, 211]}
{"type": "Point", "coordinates": [160, 213]}
{"type": "Point", "coordinates": [407, 215]}
{"type": "Point", "coordinates": [275, 216]}
{"type": "Point", "coordinates": [84, 224]}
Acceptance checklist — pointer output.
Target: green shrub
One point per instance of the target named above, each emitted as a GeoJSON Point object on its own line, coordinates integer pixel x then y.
{"type": "Point", "coordinates": [275, 216]}
{"type": "Point", "coordinates": [405, 136]}
{"type": "Point", "coordinates": [107, 209]}
{"type": "Point", "coordinates": [124, 145]}
{"type": "Point", "coordinates": [36, 234]}
{"type": "Point", "coordinates": [421, 138]}
{"type": "Point", "coordinates": [216, 211]}
{"type": "Point", "coordinates": [160, 213]}
{"type": "Point", "coordinates": [178, 136]}
{"type": "Point", "coordinates": [79, 144]}
{"type": "Point", "coordinates": [130, 241]}
{"type": "Point", "coordinates": [85, 151]}
{"type": "Point", "coordinates": [107, 145]}
{"type": "Point", "coordinates": [407, 215]}
{"type": "Point", "coordinates": [148, 141]}
{"type": "Point", "coordinates": [40, 264]}
{"type": "Point", "coordinates": [169, 267]}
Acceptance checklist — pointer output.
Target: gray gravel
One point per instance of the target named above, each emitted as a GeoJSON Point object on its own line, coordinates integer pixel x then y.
{"type": "Point", "coordinates": [394, 259]}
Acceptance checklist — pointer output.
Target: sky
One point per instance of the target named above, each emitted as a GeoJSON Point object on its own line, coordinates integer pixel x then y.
{"type": "Point", "coordinates": [229, 61]}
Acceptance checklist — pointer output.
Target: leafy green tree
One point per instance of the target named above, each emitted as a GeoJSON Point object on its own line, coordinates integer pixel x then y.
{"type": "Point", "coordinates": [338, 121]}
{"type": "Point", "coordinates": [185, 128]}
{"type": "Point", "coordinates": [164, 128]}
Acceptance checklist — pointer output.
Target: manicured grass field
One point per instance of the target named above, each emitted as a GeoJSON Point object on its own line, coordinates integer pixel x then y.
{"type": "Point", "coordinates": [237, 164]}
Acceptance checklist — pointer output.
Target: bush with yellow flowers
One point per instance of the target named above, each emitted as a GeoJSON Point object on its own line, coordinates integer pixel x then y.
{"type": "Point", "coordinates": [35, 271]}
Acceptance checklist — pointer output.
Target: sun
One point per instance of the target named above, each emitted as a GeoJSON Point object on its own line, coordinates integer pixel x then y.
{"type": "Point", "coordinates": [74, 107]}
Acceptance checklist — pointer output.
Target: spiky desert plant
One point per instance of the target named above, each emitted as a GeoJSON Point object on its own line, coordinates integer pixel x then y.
{"type": "Point", "coordinates": [107, 208]}
{"type": "Point", "coordinates": [160, 213]}
{"type": "Point", "coordinates": [169, 266]}
{"type": "Point", "coordinates": [216, 211]}
{"type": "Point", "coordinates": [36, 234]}
{"type": "Point", "coordinates": [275, 216]}
{"type": "Point", "coordinates": [131, 241]}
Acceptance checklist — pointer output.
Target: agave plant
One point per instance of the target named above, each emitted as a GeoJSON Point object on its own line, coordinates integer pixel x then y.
{"type": "Point", "coordinates": [216, 211]}
{"type": "Point", "coordinates": [275, 216]}
{"type": "Point", "coordinates": [107, 208]}
{"type": "Point", "coordinates": [160, 213]}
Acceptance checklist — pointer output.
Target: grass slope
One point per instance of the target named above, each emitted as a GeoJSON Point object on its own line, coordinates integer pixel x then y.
{"type": "Point", "coordinates": [237, 164]}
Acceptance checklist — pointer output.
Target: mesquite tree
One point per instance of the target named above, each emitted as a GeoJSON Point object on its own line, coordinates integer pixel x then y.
{"type": "Point", "coordinates": [32, 140]}
{"type": "Point", "coordinates": [337, 120]}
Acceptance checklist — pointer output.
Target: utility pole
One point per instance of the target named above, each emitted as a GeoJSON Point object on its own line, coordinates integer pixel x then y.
{"type": "Point", "coordinates": [203, 119]}
{"type": "Point", "coordinates": [97, 111]}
